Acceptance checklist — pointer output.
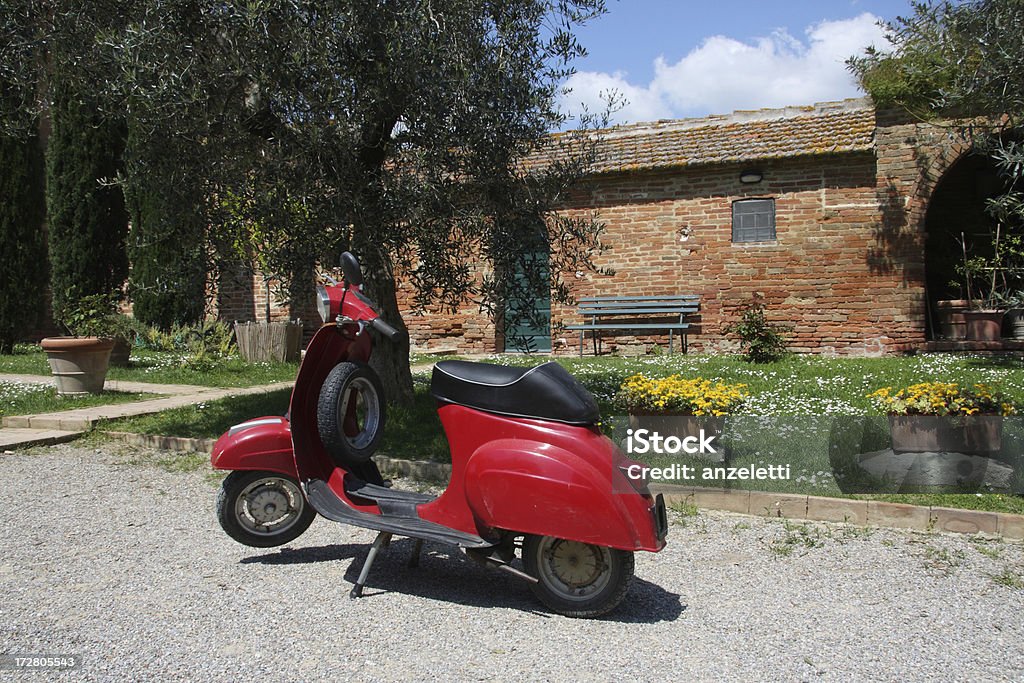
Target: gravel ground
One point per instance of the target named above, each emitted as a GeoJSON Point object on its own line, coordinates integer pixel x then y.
{"type": "Point", "coordinates": [110, 554]}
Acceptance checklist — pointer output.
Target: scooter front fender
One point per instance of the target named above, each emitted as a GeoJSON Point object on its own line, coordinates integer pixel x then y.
{"type": "Point", "coordinates": [264, 443]}
{"type": "Point", "coordinates": [542, 489]}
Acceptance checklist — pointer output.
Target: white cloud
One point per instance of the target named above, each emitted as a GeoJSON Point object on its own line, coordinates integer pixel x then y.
{"type": "Point", "coordinates": [724, 74]}
{"type": "Point", "coordinates": [590, 90]}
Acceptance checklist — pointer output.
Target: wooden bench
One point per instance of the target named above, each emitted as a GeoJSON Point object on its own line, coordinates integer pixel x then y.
{"type": "Point", "coordinates": [636, 313]}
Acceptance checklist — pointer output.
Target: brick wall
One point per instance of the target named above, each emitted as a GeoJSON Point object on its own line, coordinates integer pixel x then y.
{"type": "Point", "coordinates": [846, 271]}
{"type": "Point", "coordinates": [829, 272]}
{"type": "Point", "coordinates": [241, 295]}
{"type": "Point", "coordinates": [465, 330]}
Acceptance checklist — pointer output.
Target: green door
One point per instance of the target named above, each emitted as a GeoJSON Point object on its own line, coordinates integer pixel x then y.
{"type": "Point", "coordinates": [528, 314]}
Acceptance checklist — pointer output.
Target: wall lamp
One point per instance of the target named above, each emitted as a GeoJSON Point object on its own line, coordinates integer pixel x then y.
{"type": "Point", "coordinates": [750, 175]}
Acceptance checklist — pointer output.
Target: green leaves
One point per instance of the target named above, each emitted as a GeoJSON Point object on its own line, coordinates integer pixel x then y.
{"type": "Point", "coordinates": [951, 59]}
{"type": "Point", "coordinates": [762, 341]}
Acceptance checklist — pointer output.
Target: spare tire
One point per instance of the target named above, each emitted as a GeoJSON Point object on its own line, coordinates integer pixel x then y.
{"type": "Point", "coordinates": [350, 413]}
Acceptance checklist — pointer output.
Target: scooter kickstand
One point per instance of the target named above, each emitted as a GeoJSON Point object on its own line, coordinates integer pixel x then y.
{"type": "Point", "coordinates": [382, 539]}
{"type": "Point", "coordinates": [414, 561]}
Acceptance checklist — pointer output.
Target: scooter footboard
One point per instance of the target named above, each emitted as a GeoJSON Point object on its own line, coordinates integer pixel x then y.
{"type": "Point", "coordinates": [549, 491]}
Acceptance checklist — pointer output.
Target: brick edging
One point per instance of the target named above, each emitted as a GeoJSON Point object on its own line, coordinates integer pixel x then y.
{"type": "Point", "coordinates": [862, 512]}
{"type": "Point", "coordinates": [166, 443]}
{"type": "Point", "coordinates": [757, 503]}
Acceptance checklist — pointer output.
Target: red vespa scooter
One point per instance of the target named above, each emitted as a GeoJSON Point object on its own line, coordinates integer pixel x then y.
{"type": "Point", "coordinates": [530, 468]}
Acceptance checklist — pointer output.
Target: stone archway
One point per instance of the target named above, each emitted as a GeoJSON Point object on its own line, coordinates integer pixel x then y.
{"type": "Point", "coordinates": [956, 224]}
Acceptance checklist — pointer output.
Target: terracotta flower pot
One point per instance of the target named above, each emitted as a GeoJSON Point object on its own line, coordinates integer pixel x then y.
{"type": "Point", "coordinates": [682, 426]}
{"type": "Point", "coordinates": [984, 325]}
{"type": "Point", "coordinates": [950, 317]}
{"type": "Point", "coordinates": [973, 434]}
{"type": "Point", "coordinates": [121, 354]}
{"type": "Point", "coordinates": [79, 364]}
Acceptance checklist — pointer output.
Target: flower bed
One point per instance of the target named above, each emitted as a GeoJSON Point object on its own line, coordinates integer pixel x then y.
{"type": "Point", "coordinates": [942, 399]}
{"type": "Point", "coordinates": [944, 417]}
{"type": "Point", "coordinates": [640, 395]}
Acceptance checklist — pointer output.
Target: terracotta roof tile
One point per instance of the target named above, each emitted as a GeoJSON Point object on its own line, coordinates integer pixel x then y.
{"type": "Point", "coordinates": [826, 128]}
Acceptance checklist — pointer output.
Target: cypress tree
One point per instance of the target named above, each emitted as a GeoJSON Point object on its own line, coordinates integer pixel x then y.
{"type": "Point", "coordinates": [22, 243]}
{"type": "Point", "coordinates": [88, 223]}
{"type": "Point", "coordinates": [167, 242]}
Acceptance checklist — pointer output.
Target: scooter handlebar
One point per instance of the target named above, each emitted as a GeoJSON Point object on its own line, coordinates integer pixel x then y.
{"type": "Point", "coordinates": [385, 329]}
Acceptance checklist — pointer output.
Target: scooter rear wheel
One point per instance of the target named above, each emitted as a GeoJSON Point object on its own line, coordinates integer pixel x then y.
{"type": "Point", "coordinates": [577, 579]}
{"type": "Point", "coordinates": [263, 509]}
{"type": "Point", "coordinates": [350, 413]}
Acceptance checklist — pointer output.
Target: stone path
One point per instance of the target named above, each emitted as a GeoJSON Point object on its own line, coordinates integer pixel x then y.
{"type": "Point", "coordinates": [18, 431]}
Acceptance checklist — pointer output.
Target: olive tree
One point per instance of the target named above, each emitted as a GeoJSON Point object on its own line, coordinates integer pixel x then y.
{"type": "Point", "coordinates": [961, 61]}
{"type": "Point", "coordinates": [400, 129]}
{"type": "Point", "coordinates": [413, 132]}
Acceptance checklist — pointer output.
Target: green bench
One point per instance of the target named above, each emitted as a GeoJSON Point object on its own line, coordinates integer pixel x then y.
{"type": "Point", "coordinates": [662, 313]}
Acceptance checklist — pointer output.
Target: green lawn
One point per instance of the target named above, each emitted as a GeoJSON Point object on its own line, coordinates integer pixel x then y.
{"type": "Point", "coordinates": [798, 384]}
{"type": "Point", "coordinates": [28, 399]}
{"type": "Point", "coordinates": [163, 368]}
{"type": "Point", "coordinates": [790, 417]}
{"type": "Point", "coordinates": [988, 502]}
{"type": "Point", "coordinates": [204, 420]}
{"type": "Point", "coordinates": [421, 358]}
{"type": "Point", "coordinates": [412, 432]}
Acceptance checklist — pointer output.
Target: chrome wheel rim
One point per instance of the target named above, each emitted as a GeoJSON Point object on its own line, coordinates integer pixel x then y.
{"type": "Point", "coordinates": [574, 570]}
{"type": "Point", "coordinates": [269, 506]}
{"type": "Point", "coordinates": [361, 399]}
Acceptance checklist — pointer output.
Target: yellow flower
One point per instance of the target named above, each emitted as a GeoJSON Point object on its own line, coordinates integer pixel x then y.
{"type": "Point", "coordinates": [942, 398]}
{"type": "Point", "coordinates": [696, 396]}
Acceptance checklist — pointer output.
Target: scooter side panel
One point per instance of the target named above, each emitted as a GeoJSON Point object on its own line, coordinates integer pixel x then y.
{"type": "Point", "coordinates": [541, 490]}
{"type": "Point", "coordinates": [265, 445]}
{"type": "Point", "coordinates": [539, 477]}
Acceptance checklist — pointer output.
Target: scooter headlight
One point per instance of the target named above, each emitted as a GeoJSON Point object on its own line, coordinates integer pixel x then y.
{"type": "Point", "coordinates": [323, 303]}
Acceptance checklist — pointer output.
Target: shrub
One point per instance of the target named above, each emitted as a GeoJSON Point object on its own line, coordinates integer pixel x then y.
{"type": "Point", "coordinates": [86, 215]}
{"type": "Point", "coordinates": [210, 338]}
{"type": "Point", "coordinates": [762, 341]}
{"type": "Point", "coordinates": [167, 243]}
{"type": "Point", "coordinates": [94, 315]}
{"type": "Point", "coordinates": [22, 209]}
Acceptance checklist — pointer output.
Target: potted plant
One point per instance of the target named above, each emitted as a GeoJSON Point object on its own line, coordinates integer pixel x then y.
{"type": "Point", "coordinates": [79, 362]}
{"type": "Point", "coordinates": [260, 250]}
{"type": "Point", "coordinates": [983, 321]}
{"type": "Point", "coordinates": [1014, 317]}
{"type": "Point", "coordinates": [944, 417]}
{"type": "Point", "coordinates": [679, 407]}
{"type": "Point", "coordinates": [950, 314]}
{"type": "Point", "coordinates": [125, 331]}
{"type": "Point", "coordinates": [992, 277]}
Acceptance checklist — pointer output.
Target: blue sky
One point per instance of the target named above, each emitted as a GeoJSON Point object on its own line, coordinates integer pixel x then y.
{"type": "Point", "coordinates": [679, 59]}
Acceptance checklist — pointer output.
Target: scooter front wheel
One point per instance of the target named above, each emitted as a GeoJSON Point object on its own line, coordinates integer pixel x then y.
{"type": "Point", "coordinates": [263, 509]}
{"type": "Point", "coordinates": [577, 579]}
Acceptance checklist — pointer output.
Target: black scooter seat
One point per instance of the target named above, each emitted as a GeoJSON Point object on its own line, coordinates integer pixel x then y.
{"type": "Point", "coordinates": [544, 392]}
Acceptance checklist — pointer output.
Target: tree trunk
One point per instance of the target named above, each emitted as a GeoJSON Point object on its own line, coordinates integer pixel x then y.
{"type": "Point", "coordinates": [390, 359]}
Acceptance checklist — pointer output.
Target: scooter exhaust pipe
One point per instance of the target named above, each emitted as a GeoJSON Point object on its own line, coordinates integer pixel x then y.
{"type": "Point", "coordinates": [495, 563]}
